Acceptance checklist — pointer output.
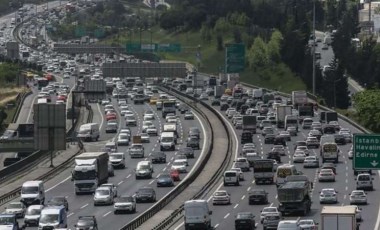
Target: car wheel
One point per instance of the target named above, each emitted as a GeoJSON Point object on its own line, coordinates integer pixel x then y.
{"type": "Point", "coordinates": [115, 212]}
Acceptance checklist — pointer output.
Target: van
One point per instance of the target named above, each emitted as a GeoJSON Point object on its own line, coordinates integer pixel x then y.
{"type": "Point", "coordinates": [53, 217]}
{"type": "Point", "coordinates": [33, 192]}
{"type": "Point", "coordinates": [159, 105]}
{"type": "Point", "coordinates": [89, 132]}
{"type": "Point", "coordinates": [364, 182]}
{"type": "Point", "coordinates": [284, 171]}
{"type": "Point", "coordinates": [231, 177]}
{"type": "Point", "coordinates": [144, 169]}
{"type": "Point", "coordinates": [197, 215]}
{"type": "Point", "coordinates": [42, 101]}
{"type": "Point", "coordinates": [168, 141]}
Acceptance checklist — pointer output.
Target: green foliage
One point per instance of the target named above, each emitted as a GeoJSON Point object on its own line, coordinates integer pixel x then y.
{"type": "Point", "coordinates": [206, 33]}
{"type": "Point", "coordinates": [219, 40]}
{"type": "Point", "coordinates": [258, 54]}
{"type": "Point", "coordinates": [367, 106]}
{"type": "Point", "coordinates": [222, 25]}
{"type": "Point", "coordinates": [274, 46]}
{"type": "Point", "coordinates": [8, 74]}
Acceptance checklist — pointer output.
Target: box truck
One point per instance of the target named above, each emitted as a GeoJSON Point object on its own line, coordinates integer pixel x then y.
{"type": "Point", "coordinates": [338, 218]}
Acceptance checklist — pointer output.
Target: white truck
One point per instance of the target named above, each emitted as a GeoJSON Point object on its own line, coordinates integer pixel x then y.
{"type": "Point", "coordinates": [137, 149]}
{"type": "Point", "coordinates": [89, 132]}
{"type": "Point", "coordinates": [281, 112]}
{"type": "Point", "coordinates": [330, 152]}
{"type": "Point", "coordinates": [249, 123]}
{"type": "Point", "coordinates": [299, 98]}
{"type": "Point", "coordinates": [219, 91]}
{"type": "Point", "coordinates": [338, 218]}
{"type": "Point", "coordinates": [170, 128]}
{"type": "Point", "coordinates": [90, 171]}
{"type": "Point", "coordinates": [291, 121]}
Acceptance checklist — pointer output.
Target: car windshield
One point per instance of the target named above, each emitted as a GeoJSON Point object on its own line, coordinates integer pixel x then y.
{"type": "Point", "coordinates": [220, 194]}
{"type": "Point", "coordinates": [57, 200]}
{"type": "Point", "coordinates": [116, 156]}
{"type": "Point", "coordinates": [125, 199]}
{"type": "Point", "coordinates": [29, 190]}
{"type": "Point", "coordinates": [14, 205]}
{"type": "Point", "coordinates": [177, 163]}
{"type": "Point", "coordinates": [5, 220]}
{"type": "Point", "coordinates": [244, 215]}
{"type": "Point", "coordinates": [123, 137]}
{"type": "Point", "coordinates": [364, 177]}
{"type": "Point", "coordinates": [33, 211]}
{"type": "Point", "coordinates": [145, 191]}
{"type": "Point", "coordinates": [164, 177]}
{"type": "Point", "coordinates": [144, 167]}
{"type": "Point", "coordinates": [270, 209]}
{"type": "Point", "coordinates": [306, 222]}
{"type": "Point", "coordinates": [102, 192]}
{"type": "Point", "coordinates": [49, 218]}
{"type": "Point", "coordinates": [357, 193]}
{"type": "Point", "coordinates": [83, 223]}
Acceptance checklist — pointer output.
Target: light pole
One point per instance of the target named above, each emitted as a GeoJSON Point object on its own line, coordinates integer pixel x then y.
{"type": "Point", "coordinates": [314, 47]}
{"type": "Point", "coordinates": [334, 82]}
{"type": "Point", "coordinates": [151, 40]}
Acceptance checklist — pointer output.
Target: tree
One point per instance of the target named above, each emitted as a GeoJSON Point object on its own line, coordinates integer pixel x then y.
{"type": "Point", "coordinates": [219, 40]}
{"type": "Point", "coordinates": [257, 54]}
{"type": "Point", "coordinates": [274, 46]}
{"type": "Point", "coordinates": [237, 35]}
{"type": "Point", "coordinates": [205, 33]}
{"type": "Point", "coordinates": [222, 25]}
{"type": "Point", "coordinates": [367, 106]}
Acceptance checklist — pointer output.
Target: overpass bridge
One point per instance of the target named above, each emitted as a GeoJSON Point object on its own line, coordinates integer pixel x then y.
{"type": "Point", "coordinates": [26, 145]}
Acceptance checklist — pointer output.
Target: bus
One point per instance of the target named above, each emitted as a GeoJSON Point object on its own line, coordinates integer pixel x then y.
{"type": "Point", "coordinates": [330, 152]}
{"type": "Point", "coordinates": [41, 82]}
{"type": "Point", "coordinates": [284, 171]}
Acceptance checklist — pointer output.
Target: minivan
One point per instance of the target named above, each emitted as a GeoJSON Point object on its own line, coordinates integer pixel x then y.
{"type": "Point", "coordinates": [89, 132]}
{"type": "Point", "coordinates": [197, 215]}
{"type": "Point", "coordinates": [364, 181]}
{"type": "Point", "coordinates": [231, 177]}
{"type": "Point", "coordinates": [33, 192]}
{"type": "Point", "coordinates": [144, 169]}
{"type": "Point", "coordinates": [53, 217]}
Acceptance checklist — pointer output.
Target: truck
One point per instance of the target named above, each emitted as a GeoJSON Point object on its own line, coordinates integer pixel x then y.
{"type": "Point", "coordinates": [218, 91]}
{"type": "Point", "coordinates": [263, 171]}
{"type": "Point", "coordinates": [237, 91]}
{"type": "Point", "coordinates": [338, 218]}
{"type": "Point", "coordinates": [331, 116]}
{"type": "Point", "coordinates": [249, 123]}
{"type": "Point", "coordinates": [170, 127]}
{"type": "Point", "coordinates": [198, 82]}
{"type": "Point", "coordinates": [294, 195]}
{"type": "Point", "coordinates": [291, 121]}
{"type": "Point", "coordinates": [18, 132]}
{"type": "Point", "coordinates": [168, 107]}
{"type": "Point", "coordinates": [268, 97]}
{"type": "Point", "coordinates": [90, 171]}
{"type": "Point", "coordinates": [304, 111]}
{"type": "Point", "coordinates": [281, 112]}
{"type": "Point", "coordinates": [299, 98]}
{"type": "Point", "coordinates": [212, 81]}
{"type": "Point", "coordinates": [330, 152]}
{"type": "Point", "coordinates": [257, 94]}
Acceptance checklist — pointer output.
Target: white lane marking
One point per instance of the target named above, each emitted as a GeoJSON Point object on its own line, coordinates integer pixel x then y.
{"type": "Point", "coordinates": [101, 114]}
{"type": "Point", "coordinates": [216, 225]}
{"type": "Point", "coordinates": [249, 188]}
{"type": "Point", "coordinates": [84, 206]}
{"type": "Point", "coordinates": [128, 176]}
{"type": "Point", "coordinates": [107, 214]}
{"type": "Point", "coordinates": [54, 186]}
{"type": "Point", "coordinates": [236, 205]}
{"type": "Point", "coordinates": [242, 198]}
{"type": "Point", "coordinates": [164, 169]}
{"type": "Point", "coordinates": [225, 217]}
{"type": "Point", "coordinates": [70, 214]}
{"type": "Point", "coordinates": [151, 182]}
{"type": "Point", "coordinates": [120, 183]}
{"type": "Point", "coordinates": [168, 164]}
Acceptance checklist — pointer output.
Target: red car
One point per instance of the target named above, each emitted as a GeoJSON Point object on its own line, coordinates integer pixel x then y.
{"type": "Point", "coordinates": [62, 98]}
{"type": "Point", "coordinates": [174, 173]}
{"type": "Point", "coordinates": [111, 116]}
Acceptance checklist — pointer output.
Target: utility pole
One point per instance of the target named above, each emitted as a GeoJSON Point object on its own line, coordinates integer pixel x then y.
{"type": "Point", "coordinates": [314, 38]}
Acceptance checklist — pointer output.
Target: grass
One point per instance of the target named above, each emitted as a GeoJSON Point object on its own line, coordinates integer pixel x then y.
{"type": "Point", "coordinates": [9, 94]}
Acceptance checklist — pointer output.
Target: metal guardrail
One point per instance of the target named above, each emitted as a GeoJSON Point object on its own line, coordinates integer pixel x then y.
{"type": "Point", "coordinates": [20, 102]}
{"type": "Point", "coordinates": [16, 192]}
{"type": "Point", "coordinates": [177, 214]}
{"type": "Point", "coordinates": [135, 223]}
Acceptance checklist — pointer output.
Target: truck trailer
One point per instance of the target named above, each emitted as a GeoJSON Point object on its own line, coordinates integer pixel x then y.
{"type": "Point", "coordinates": [338, 218]}
{"type": "Point", "coordinates": [263, 171]}
{"type": "Point", "coordinates": [249, 123]}
{"type": "Point", "coordinates": [281, 112]}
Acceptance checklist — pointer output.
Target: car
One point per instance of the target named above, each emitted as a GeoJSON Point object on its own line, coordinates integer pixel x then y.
{"type": "Point", "coordinates": [269, 139]}
{"type": "Point", "coordinates": [299, 156]}
{"type": "Point", "coordinates": [110, 186]}
{"type": "Point", "coordinates": [300, 143]}
{"type": "Point", "coordinates": [164, 180]}
{"type": "Point", "coordinates": [181, 157]}
{"type": "Point", "coordinates": [125, 204]}
{"type": "Point", "coordinates": [111, 127]}
{"type": "Point", "coordinates": [9, 221]}
{"type": "Point", "coordinates": [271, 221]}
{"type": "Point", "coordinates": [59, 201]}
{"type": "Point", "coordinates": [267, 130]}
{"type": "Point", "coordinates": [221, 197]}
{"type": "Point", "coordinates": [123, 139]}
{"type": "Point", "coordinates": [241, 174]}
{"type": "Point", "coordinates": [180, 166]}
{"type": "Point", "coordinates": [329, 166]}
{"type": "Point", "coordinates": [130, 120]}
{"type": "Point", "coordinates": [350, 154]}
{"type": "Point", "coordinates": [203, 96]}
{"type": "Point", "coordinates": [285, 135]}
{"type": "Point", "coordinates": [193, 142]}
{"type": "Point", "coordinates": [145, 194]}
{"type": "Point", "coordinates": [32, 215]}
{"type": "Point", "coordinates": [245, 220]}
{"type": "Point", "coordinates": [306, 123]}
{"type": "Point", "coordinates": [304, 149]}
{"type": "Point", "coordinates": [189, 115]}
{"type": "Point", "coordinates": [151, 130]}
{"type": "Point", "coordinates": [311, 162]}
{"type": "Point", "coordinates": [148, 115]}
{"type": "Point", "coordinates": [194, 131]}
{"type": "Point", "coordinates": [145, 138]}
{"type": "Point", "coordinates": [364, 181]}
{"type": "Point", "coordinates": [326, 175]}
{"type": "Point", "coordinates": [340, 139]}
{"type": "Point", "coordinates": [307, 224]}
{"type": "Point", "coordinates": [86, 222]}
{"type": "Point", "coordinates": [174, 173]}
{"type": "Point", "coordinates": [16, 208]}
{"type": "Point", "coordinates": [314, 133]}
{"type": "Point", "coordinates": [187, 151]}
{"type": "Point", "coordinates": [239, 125]}
{"type": "Point", "coordinates": [258, 196]}
{"type": "Point", "coordinates": [242, 163]}
{"type": "Point", "coordinates": [335, 124]}
{"type": "Point", "coordinates": [215, 102]}
{"type": "Point", "coordinates": [103, 195]}
{"type": "Point", "coordinates": [358, 197]}
{"type": "Point", "coordinates": [328, 195]}
{"type": "Point", "coordinates": [312, 142]}
{"type": "Point", "coordinates": [279, 148]}
{"type": "Point", "coordinates": [158, 157]}
{"type": "Point", "coordinates": [274, 156]}
{"type": "Point", "coordinates": [111, 116]}
{"type": "Point", "coordinates": [269, 210]}
{"type": "Point", "coordinates": [292, 130]}
{"type": "Point", "coordinates": [347, 136]}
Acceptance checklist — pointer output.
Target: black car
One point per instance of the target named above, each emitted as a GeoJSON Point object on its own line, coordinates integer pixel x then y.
{"type": "Point", "coordinates": [274, 156]}
{"type": "Point", "coordinates": [258, 196]}
{"type": "Point", "coordinates": [215, 102]}
{"type": "Point", "coordinates": [165, 180]}
{"type": "Point", "coordinates": [280, 140]}
{"type": "Point", "coordinates": [243, 109]}
{"type": "Point", "coordinates": [340, 139]}
{"type": "Point", "coordinates": [328, 129]}
{"type": "Point", "coordinates": [245, 221]}
{"type": "Point", "coordinates": [158, 157]}
{"type": "Point", "coordinates": [187, 151]}
{"type": "Point", "coordinates": [183, 108]}
{"type": "Point", "coordinates": [194, 131]}
{"type": "Point", "coordinates": [224, 107]}
{"type": "Point", "coordinates": [246, 137]}
{"type": "Point", "coordinates": [59, 201]}
{"type": "Point", "coordinates": [269, 139]}
{"type": "Point", "coordinates": [193, 142]}
{"type": "Point", "coordinates": [145, 194]}
{"type": "Point", "coordinates": [86, 222]}
{"type": "Point", "coordinates": [299, 143]}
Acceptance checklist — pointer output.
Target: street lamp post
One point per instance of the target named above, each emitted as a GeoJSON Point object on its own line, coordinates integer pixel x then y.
{"type": "Point", "coordinates": [140, 30]}
{"type": "Point", "coordinates": [314, 48]}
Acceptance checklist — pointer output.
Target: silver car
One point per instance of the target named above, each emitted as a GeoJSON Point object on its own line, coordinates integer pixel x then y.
{"type": "Point", "coordinates": [328, 195]}
{"type": "Point", "coordinates": [32, 215]}
{"type": "Point", "coordinates": [103, 196]}
{"type": "Point", "coordinates": [125, 204]}
{"type": "Point", "coordinates": [311, 162]}
{"type": "Point", "coordinates": [358, 197]}
{"type": "Point", "coordinates": [17, 208]}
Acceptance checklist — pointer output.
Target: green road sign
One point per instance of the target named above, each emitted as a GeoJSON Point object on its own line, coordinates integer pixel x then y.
{"type": "Point", "coordinates": [169, 48]}
{"type": "Point", "coordinates": [366, 151]}
{"type": "Point", "coordinates": [80, 31]}
{"type": "Point", "coordinates": [235, 58]}
{"type": "Point", "coordinates": [99, 33]}
{"type": "Point", "coordinates": [133, 47]}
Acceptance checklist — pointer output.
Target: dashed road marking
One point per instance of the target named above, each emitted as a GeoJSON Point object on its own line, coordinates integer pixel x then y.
{"type": "Point", "coordinates": [242, 198]}
{"type": "Point", "coordinates": [236, 205]}
{"type": "Point", "coordinates": [107, 214]}
{"type": "Point", "coordinates": [225, 217]}
{"type": "Point", "coordinates": [84, 206]}
{"type": "Point", "coordinates": [70, 214]}
{"type": "Point", "coordinates": [120, 183]}
{"type": "Point", "coordinates": [128, 176]}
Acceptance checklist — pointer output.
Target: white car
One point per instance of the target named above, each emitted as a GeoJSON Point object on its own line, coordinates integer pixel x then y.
{"type": "Point", "coordinates": [110, 186]}
{"type": "Point", "coordinates": [130, 120]}
{"type": "Point", "coordinates": [17, 208]}
{"type": "Point", "coordinates": [221, 197]}
{"type": "Point", "coordinates": [180, 166]}
{"type": "Point", "coordinates": [358, 197]}
{"type": "Point", "coordinates": [103, 195]}
{"type": "Point", "coordinates": [149, 115]}
{"type": "Point", "coordinates": [117, 160]}
{"type": "Point", "coordinates": [299, 156]}
{"type": "Point", "coordinates": [279, 148]}
{"type": "Point", "coordinates": [146, 124]}
{"type": "Point", "coordinates": [122, 102]}
{"type": "Point", "coordinates": [311, 162]}
{"type": "Point", "coordinates": [145, 138]}
{"type": "Point", "coordinates": [242, 163]}
{"type": "Point", "coordinates": [125, 112]}
{"type": "Point", "coordinates": [305, 149]}
{"type": "Point", "coordinates": [307, 224]}
{"type": "Point", "coordinates": [328, 195]}
{"type": "Point", "coordinates": [125, 204]}
{"type": "Point", "coordinates": [268, 210]}
{"type": "Point", "coordinates": [123, 139]}
{"type": "Point", "coordinates": [183, 158]}
{"type": "Point", "coordinates": [171, 119]}
{"type": "Point", "coordinates": [241, 174]}
{"type": "Point", "coordinates": [152, 130]}
{"type": "Point", "coordinates": [326, 175]}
